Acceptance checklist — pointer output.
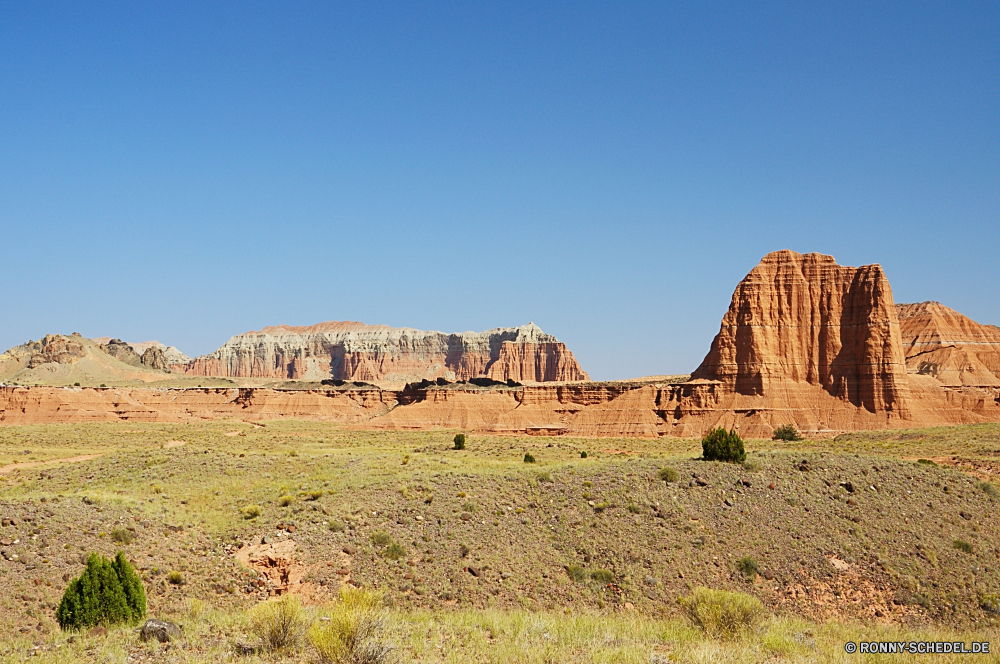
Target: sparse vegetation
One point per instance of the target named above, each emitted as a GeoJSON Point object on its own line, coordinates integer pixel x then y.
{"type": "Point", "coordinates": [395, 551]}
{"type": "Point", "coordinates": [602, 576]}
{"type": "Point", "coordinates": [926, 462]}
{"type": "Point", "coordinates": [286, 500]}
{"type": "Point", "coordinates": [122, 535]}
{"type": "Point", "coordinates": [381, 538]}
{"type": "Point", "coordinates": [576, 573]}
{"type": "Point", "coordinates": [721, 445]}
{"type": "Point", "coordinates": [962, 546]}
{"type": "Point", "coordinates": [989, 489]}
{"type": "Point", "coordinates": [352, 631]}
{"type": "Point", "coordinates": [748, 567]}
{"type": "Point", "coordinates": [250, 511]}
{"type": "Point", "coordinates": [721, 613]}
{"type": "Point", "coordinates": [669, 475]}
{"type": "Point", "coordinates": [278, 625]}
{"type": "Point", "coordinates": [786, 432]}
{"type": "Point", "coordinates": [175, 578]}
{"type": "Point", "coordinates": [643, 531]}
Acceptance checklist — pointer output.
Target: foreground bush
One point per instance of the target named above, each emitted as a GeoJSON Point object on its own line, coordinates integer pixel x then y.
{"type": "Point", "coordinates": [721, 445]}
{"type": "Point", "coordinates": [722, 613]}
{"type": "Point", "coordinates": [353, 631]}
{"type": "Point", "coordinates": [279, 625]}
{"type": "Point", "coordinates": [107, 593]}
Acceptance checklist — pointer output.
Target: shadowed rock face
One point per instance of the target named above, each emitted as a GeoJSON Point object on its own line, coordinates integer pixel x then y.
{"type": "Point", "coordinates": [802, 319]}
{"type": "Point", "coordinates": [359, 352]}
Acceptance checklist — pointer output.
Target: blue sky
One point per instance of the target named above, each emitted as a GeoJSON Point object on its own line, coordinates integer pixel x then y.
{"type": "Point", "coordinates": [187, 172]}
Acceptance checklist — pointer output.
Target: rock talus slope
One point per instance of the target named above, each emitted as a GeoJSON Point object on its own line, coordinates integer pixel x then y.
{"type": "Point", "coordinates": [358, 352]}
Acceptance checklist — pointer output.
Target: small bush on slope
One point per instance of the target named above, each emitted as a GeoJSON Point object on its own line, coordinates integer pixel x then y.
{"type": "Point", "coordinates": [721, 445]}
{"type": "Point", "coordinates": [107, 593]}
{"type": "Point", "coordinates": [279, 625]}
{"type": "Point", "coordinates": [722, 613]}
{"type": "Point", "coordinates": [352, 631]}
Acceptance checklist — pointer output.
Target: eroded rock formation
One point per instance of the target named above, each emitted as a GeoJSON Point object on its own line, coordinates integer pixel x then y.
{"type": "Point", "coordinates": [358, 352]}
{"type": "Point", "coordinates": [953, 348]}
{"type": "Point", "coordinates": [802, 319]}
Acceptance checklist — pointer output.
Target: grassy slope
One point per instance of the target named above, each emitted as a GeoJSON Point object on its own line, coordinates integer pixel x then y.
{"type": "Point", "coordinates": [529, 521]}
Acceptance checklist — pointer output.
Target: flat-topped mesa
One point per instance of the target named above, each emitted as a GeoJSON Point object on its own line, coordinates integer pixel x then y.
{"type": "Point", "coordinates": [953, 348]}
{"type": "Point", "coordinates": [802, 319]}
{"type": "Point", "coordinates": [355, 351]}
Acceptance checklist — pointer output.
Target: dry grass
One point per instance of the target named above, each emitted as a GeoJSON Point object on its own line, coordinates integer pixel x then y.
{"type": "Point", "coordinates": [528, 519]}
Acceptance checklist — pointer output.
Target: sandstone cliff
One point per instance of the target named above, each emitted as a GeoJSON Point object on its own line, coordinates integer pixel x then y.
{"type": "Point", "coordinates": [358, 352]}
{"type": "Point", "coordinates": [804, 320]}
{"type": "Point", "coordinates": [944, 344]}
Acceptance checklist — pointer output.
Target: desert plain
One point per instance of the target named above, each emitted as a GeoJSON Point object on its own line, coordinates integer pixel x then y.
{"type": "Point", "coordinates": [295, 465]}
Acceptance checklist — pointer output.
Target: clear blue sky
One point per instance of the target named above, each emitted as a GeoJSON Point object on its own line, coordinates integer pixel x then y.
{"type": "Point", "coordinates": [187, 172]}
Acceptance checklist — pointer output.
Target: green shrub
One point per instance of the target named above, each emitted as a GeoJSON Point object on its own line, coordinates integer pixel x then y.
{"type": "Point", "coordinates": [669, 475]}
{"type": "Point", "coordinates": [314, 495]}
{"type": "Point", "coordinates": [286, 500]}
{"type": "Point", "coordinates": [962, 546]}
{"type": "Point", "coordinates": [602, 576]}
{"type": "Point", "coordinates": [786, 432]}
{"type": "Point", "coordinates": [470, 507]}
{"type": "Point", "coordinates": [721, 445]}
{"type": "Point", "coordinates": [528, 458]}
{"type": "Point", "coordinates": [107, 593]}
{"type": "Point", "coordinates": [122, 535]}
{"type": "Point", "coordinates": [989, 603]}
{"type": "Point", "coordinates": [395, 551]}
{"type": "Point", "coordinates": [380, 538]}
{"type": "Point", "coordinates": [352, 631]}
{"type": "Point", "coordinates": [721, 613]}
{"type": "Point", "coordinates": [545, 476]}
{"type": "Point", "coordinates": [633, 508]}
{"type": "Point", "coordinates": [926, 462]}
{"type": "Point", "coordinates": [279, 625]}
{"type": "Point", "coordinates": [337, 526]}
{"type": "Point", "coordinates": [748, 566]}
{"type": "Point", "coordinates": [459, 441]}
{"type": "Point", "coordinates": [989, 489]}
{"type": "Point", "coordinates": [583, 455]}
{"type": "Point", "coordinates": [250, 511]}
{"type": "Point", "coordinates": [576, 573]}
{"type": "Point", "coordinates": [176, 578]}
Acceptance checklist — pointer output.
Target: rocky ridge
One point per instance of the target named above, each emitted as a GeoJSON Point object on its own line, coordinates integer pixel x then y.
{"type": "Point", "coordinates": [358, 352]}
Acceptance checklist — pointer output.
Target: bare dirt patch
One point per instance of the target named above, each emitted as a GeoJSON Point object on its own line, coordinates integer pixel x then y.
{"type": "Point", "coordinates": [32, 464]}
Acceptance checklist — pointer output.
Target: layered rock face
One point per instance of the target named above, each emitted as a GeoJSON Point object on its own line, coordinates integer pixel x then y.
{"type": "Point", "coordinates": [804, 320]}
{"type": "Point", "coordinates": [358, 352]}
{"type": "Point", "coordinates": [953, 348]}
{"type": "Point", "coordinates": [821, 346]}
